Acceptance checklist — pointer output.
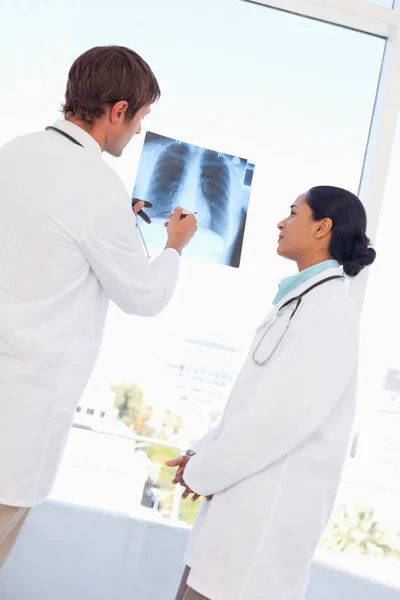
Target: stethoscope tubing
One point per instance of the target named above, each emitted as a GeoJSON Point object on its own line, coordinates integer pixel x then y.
{"type": "Point", "coordinates": [298, 299]}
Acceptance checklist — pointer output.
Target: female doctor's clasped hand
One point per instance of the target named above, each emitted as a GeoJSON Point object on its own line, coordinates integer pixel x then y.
{"type": "Point", "coordinates": [273, 464]}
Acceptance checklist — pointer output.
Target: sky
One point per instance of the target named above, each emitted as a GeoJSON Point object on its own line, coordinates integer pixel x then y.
{"type": "Point", "coordinates": [294, 96]}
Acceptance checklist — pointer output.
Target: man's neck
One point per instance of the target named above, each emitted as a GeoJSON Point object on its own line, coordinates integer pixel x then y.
{"type": "Point", "coordinates": [93, 130]}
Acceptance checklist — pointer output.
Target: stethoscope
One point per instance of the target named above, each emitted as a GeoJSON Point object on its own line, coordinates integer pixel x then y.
{"type": "Point", "coordinates": [282, 330]}
{"type": "Point", "coordinates": [141, 213]}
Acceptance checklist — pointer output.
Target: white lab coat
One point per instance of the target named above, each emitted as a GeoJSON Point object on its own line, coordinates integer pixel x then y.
{"type": "Point", "coordinates": [274, 462]}
{"type": "Point", "coordinates": [68, 244]}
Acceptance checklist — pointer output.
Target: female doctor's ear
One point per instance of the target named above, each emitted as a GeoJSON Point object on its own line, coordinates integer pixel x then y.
{"type": "Point", "coordinates": [349, 243]}
{"type": "Point", "coordinates": [324, 228]}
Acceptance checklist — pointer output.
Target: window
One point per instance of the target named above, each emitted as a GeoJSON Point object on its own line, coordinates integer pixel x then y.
{"type": "Point", "coordinates": [371, 483]}
{"type": "Point", "coordinates": [292, 95]}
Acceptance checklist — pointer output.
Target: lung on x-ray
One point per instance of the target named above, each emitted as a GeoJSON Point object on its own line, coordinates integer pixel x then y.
{"type": "Point", "coordinates": [214, 185]}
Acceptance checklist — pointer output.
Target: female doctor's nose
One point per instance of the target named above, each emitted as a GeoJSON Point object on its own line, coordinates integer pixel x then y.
{"type": "Point", "coordinates": [282, 225]}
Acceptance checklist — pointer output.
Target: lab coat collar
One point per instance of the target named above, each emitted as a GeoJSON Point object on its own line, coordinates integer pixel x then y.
{"type": "Point", "coordinates": [307, 284]}
{"type": "Point", "coordinates": [290, 283]}
{"type": "Point", "coordinates": [79, 134]}
{"type": "Point", "coordinates": [301, 288]}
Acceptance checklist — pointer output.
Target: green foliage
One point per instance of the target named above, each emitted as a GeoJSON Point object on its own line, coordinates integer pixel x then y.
{"type": "Point", "coordinates": [355, 529]}
{"type": "Point", "coordinates": [188, 511]}
{"type": "Point", "coordinates": [172, 421]}
{"type": "Point", "coordinates": [131, 408]}
{"type": "Point", "coordinates": [136, 415]}
{"type": "Point", "coordinates": [160, 454]}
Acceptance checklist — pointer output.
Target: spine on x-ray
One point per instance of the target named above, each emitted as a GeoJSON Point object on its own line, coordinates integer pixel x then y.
{"type": "Point", "coordinates": [215, 181]}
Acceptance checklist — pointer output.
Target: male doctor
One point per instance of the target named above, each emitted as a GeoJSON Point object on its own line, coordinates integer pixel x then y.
{"type": "Point", "coordinates": [68, 244]}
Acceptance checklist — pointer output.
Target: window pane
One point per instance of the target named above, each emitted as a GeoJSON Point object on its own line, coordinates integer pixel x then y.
{"type": "Point", "coordinates": [371, 482]}
{"type": "Point", "coordinates": [302, 117]}
{"type": "Point", "coordinates": [296, 110]}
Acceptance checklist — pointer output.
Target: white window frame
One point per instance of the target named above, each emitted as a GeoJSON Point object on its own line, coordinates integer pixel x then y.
{"type": "Point", "coordinates": [356, 14]}
{"type": "Point", "coordinates": [384, 22]}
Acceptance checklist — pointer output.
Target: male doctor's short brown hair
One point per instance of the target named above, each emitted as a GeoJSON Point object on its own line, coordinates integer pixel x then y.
{"type": "Point", "coordinates": [105, 75]}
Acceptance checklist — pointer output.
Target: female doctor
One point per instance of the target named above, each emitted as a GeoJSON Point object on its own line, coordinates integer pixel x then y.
{"type": "Point", "coordinates": [271, 469]}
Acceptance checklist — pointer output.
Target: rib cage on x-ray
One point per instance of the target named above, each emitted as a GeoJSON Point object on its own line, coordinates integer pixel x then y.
{"type": "Point", "coordinates": [168, 175]}
{"type": "Point", "coordinates": [215, 183]}
{"type": "Point", "coordinates": [171, 170]}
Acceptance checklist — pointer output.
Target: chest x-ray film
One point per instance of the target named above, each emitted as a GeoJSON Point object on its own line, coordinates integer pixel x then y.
{"type": "Point", "coordinates": [214, 185]}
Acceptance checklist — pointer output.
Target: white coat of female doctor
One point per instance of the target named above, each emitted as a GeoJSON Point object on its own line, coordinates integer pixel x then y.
{"type": "Point", "coordinates": [272, 467]}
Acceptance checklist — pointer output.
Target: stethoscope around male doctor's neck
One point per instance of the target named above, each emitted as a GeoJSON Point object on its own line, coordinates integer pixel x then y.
{"type": "Point", "coordinates": [277, 327]}
{"type": "Point", "coordinates": [135, 201]}
{"type": "Point", "coordinates": [140, 213]}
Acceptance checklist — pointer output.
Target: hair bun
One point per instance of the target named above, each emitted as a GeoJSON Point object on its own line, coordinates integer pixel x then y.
{"type": "Point", "coordinates": [348, 243]}
{"type": "Point", "coordinates": [367, 256]}
{"type": "Point", "coordinates": [362, 256]}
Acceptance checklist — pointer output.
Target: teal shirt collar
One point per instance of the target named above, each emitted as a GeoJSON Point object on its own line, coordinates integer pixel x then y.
{"type": "Point", "coordinates": [289, 284]}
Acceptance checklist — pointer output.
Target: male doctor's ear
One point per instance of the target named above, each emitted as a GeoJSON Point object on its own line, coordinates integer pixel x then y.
{"type": "Point", "coordinates": [118, 111]}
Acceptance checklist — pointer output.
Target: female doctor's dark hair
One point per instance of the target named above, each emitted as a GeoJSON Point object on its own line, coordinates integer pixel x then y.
{"type": "Point", "coordinates": [349, 244]}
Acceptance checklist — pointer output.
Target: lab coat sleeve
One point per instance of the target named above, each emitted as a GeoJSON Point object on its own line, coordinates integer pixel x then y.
{"type": "Point", "coordinates": [290, 400]}
{"type": "Point", "coordinates": [208, 438]}
{"type": "Point", "coordinates": [114, 252]}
